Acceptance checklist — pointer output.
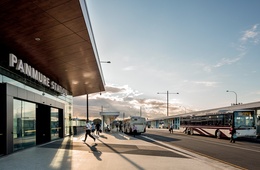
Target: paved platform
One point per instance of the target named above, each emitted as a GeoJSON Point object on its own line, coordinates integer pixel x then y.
{"type": "Point", "coordinates": [110, 151]}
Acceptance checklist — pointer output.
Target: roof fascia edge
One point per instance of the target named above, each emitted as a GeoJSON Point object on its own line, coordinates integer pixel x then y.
{"type": "Point", "coordinates": [84, 9]}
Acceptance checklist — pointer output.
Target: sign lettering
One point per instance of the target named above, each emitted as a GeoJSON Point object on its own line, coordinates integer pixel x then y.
{"type": "Point", "coordinates": [31, 72]}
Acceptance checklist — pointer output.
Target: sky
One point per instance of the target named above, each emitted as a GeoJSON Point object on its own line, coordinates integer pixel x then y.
{"type": "Point", "coordinates": [197, 48]}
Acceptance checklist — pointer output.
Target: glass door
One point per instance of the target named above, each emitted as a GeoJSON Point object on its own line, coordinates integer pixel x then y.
{"type": "Point", "coordinates": [24, 124]}
{"type": "Point", "coordinates": [55, 128]}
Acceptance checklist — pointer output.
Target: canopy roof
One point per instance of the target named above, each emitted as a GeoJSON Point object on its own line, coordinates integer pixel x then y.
{"type": "Point", "coordinates": [56, 38]}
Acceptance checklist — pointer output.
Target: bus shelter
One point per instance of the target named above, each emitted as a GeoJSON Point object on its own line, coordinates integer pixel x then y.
{"type": "Point", "coordinates": [107, 119]}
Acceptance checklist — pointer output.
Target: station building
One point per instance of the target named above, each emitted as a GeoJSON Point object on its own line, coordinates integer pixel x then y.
{"type": "Point", "coordinates": [48, 56]}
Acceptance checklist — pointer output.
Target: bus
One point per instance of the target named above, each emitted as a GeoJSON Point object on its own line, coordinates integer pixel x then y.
{"type": "Point", "coordinates": [138, 121]}
{"type": "Point", "coordinates": [218, 124]}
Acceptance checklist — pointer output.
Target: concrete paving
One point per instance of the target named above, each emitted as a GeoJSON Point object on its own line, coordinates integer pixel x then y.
{"type": "Point", "coordinates": [110, 151]}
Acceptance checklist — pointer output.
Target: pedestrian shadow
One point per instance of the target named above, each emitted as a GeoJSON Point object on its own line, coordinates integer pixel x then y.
{"type": "Point", "coordinates": [95, 151]}
{"type": "Point", "coordinates": [102, 136]}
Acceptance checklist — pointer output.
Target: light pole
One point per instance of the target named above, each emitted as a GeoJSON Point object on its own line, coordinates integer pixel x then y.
{"type": "Point", "coordinates": [235, 94]}
{"type": "Point", "coordinates": [108, 62]}
{"type": "Point", "coordinates": [141, 110]}
{"type": "Point", "coordinates": [105, 62]}
{"type": "Point", "coordinates": [167, 96]}
{"type": "Point", "coordinates": [87, 106]}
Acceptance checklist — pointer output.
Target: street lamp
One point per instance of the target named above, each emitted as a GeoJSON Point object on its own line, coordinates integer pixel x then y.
{"type": "Point", "coordinates": [235, 94]}
{"type": "Point", "coordinates": [87, 106]}
{"type": "Point", "coordinates": [141, 111]}
{"type": "Point", "coordinates": [105, 62]}
{"type": "Point", "coordinates": [167, 100]}
{"type": "Point", "coordinates": [108, 62]}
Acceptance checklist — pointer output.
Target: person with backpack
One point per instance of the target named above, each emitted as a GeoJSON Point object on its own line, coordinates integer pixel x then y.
{"type": "Point", "coordinates": [171, 128]}
{"type": "Point", "coordinates": [88, 132]}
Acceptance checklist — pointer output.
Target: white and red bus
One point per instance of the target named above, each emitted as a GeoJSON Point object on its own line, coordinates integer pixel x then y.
{"type": "Point", "coordinates": [218, 124]}
{"type": "Point", "coordinates": [138, 121]}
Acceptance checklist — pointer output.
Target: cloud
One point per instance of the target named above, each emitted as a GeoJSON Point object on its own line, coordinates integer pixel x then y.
{"type": "Point", "coordinates": [121, 99]}
{"type": "Point", "coordinates": [123, 91]}
{"type": "Point", "coordinates": [227, 61]}
{"type": "Point", "coordinates": [207, 68]}
{"type": "Point", "coordinates": [129, 68]}
{"type": "Point", "coordinates": [206, 83]}
{"type": "Point", "coordinates": [113, 89]}
{"type": "Point", "coordinates": [224, 61]}
{"type": "Point", "coordinates": [251, 34]}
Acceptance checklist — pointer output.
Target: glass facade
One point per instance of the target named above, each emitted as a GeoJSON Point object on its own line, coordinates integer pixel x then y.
{"type": "Point", "coordinates": [24, 124]}
{"type": "Point", "coordinates": [66, 100]}
{"type": "Point", "coordinates": [67, 117]}
{"type": "Point", "coordinates": [55, 123]}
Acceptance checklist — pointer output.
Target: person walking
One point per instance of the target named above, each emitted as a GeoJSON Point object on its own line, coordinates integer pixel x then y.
{"type": "Point", "coordinates": [120, 127]}
{"type": "Point", "coordinates": [97, 128]}
{"type": "Point", "coordinates": [93, 128]}
{"type": "Point", "coordinates": [232, 131]}
{"type": "Point", "coordinates": [171, 128]}
{"type": "Point", "coordinates": [134, 130]}
{"type": "Point", "coordinates": [117, 127]}
{"type": "Point", "coordinates": [88, 132]}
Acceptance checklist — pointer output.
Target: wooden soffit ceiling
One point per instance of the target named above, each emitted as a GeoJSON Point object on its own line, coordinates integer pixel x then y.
{"type": "Point", "coordinates": [52, 36]}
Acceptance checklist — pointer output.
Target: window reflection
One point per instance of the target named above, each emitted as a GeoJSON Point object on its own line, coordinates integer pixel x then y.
{"type": "Point", "coordinates": [244, 119]}
{"type": "Point", "coordinates": [66, 100]}
{"type": "Point", "coordinates": [24, 124]}
{"type": "Point", "coordinates": [55, 123]}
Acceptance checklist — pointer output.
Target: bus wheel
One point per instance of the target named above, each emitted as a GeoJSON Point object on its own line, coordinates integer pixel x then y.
{"type": "Point", "coordinates": [188, 131]}
{"type": "Point", "coordinates": [218, 134]}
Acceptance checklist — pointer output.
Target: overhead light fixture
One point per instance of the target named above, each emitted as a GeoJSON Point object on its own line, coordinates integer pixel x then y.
{"type": "Point", "coordinates": [37, 39]}
{"type": "Point", "coordinates": [75, 82]}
